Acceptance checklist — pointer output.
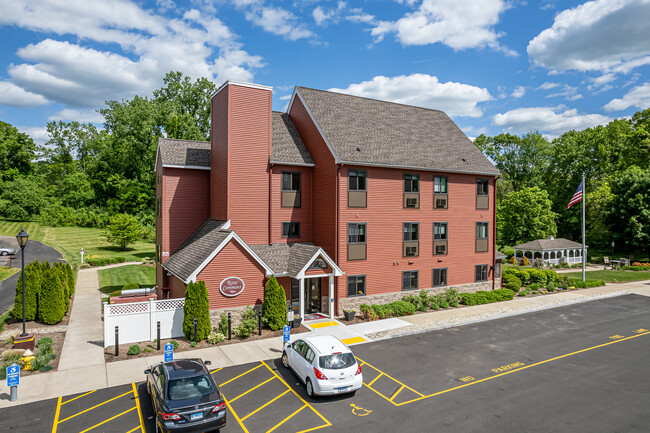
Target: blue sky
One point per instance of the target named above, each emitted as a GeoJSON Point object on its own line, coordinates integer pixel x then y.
{"type": "Point", "coordinates": [493, 65]}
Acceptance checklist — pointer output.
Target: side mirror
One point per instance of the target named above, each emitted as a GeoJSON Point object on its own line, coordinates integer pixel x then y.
{"type": "Point", "coordinates": [207, 362]}
{"type": "Point", "coordinates": [147, 371]}
{"type": "Point", "coordinates": [288, 345]}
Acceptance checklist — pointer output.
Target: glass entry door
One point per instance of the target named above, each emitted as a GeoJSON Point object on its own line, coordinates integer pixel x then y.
{"type": "Point", "coordinates": [312, 294]}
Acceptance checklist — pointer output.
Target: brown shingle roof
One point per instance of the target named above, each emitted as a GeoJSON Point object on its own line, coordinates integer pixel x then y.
{"type": "Point", "coordinates": [286, 258]}
{"type": "Point", "coordinates": [548, 244]}
{"type": "Point", "coordinates": [184, 152]}
{"type": "Point", "coordinates": [286, 144]}
{"type": "Point", "coordinates": [196, 249]}
{"type": "Point", "coordinates": [369, 131]}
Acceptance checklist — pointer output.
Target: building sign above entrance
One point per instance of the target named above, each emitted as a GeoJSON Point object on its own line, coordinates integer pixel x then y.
{"type": "Point", "coordinates": [232, 286]}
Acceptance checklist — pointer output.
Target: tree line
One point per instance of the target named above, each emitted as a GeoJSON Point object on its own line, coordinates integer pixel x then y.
{"type": "Point", "coordinates": [84, 175]}
{"type": "Point", "coordinates": [539, 177]}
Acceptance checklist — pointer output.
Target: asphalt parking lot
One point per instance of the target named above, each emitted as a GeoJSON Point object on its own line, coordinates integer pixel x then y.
{"type": "Point", "coordinates": [579, 368]}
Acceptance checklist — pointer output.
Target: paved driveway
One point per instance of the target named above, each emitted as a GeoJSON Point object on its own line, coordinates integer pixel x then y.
{"type": "Point", "coordinates": [578, 368]}
{"type": "Point", "coordinates": [34, 250]}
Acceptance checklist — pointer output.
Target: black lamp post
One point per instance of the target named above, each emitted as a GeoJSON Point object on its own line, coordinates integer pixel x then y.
{"type": "Point", "coordinates": [22, 238]}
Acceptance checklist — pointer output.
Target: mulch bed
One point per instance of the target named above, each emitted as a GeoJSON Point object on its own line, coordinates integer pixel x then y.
{"type": "Point", "coordinates": [148, 348]}
{"type": "Point", "coordinates": [58, 338]}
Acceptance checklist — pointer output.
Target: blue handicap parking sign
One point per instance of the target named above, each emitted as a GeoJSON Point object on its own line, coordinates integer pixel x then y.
{"type": "Point", "coordinates": [286, 333]}
{"type": "Point", "coordinates": [13, 375]}
{"type": "Point", "coordinates": [169, 352]}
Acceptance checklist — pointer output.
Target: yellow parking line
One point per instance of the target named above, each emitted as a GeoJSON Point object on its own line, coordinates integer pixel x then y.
{"type": "Point", "coordinates": [213, 372]}
{"type": "Point", "coordinates": [82, 395]}
{"type": "Point", "coordinates": [243, 374]}
{"type": "Point", "coordinates": [314, 428]}
{"type": "Point", "coordinates": [398, 391]}
{"type": "Point", "coordinates": [353, 340]}
{"type": "Point", "coordinates": [56, 415]}
{"type": "Point", "coordinates": [327, 423]}
{"type": "Point", "coordinates": [287, 418]}
{"type": "Point", "coordinates": [375, 379]}
{"type": "Point", "coordinates": [391, 377]}
{"type": "Point", "coordinates": [264, 405]}
{"type": "Point", "coordinates": [137, 405]}
{"type": "Point", "coordinates": [97, 405]}
{"type": "Point", "coordinates": [110, 419]}
{"type": "Point", "coordinates": [232, 411]}
{"type": "Point", "coordinates": [521, 368]}
{"type": "Point", "coordinates": [134, 429]}
{"type": "Point", "coordinates": [252, 389]}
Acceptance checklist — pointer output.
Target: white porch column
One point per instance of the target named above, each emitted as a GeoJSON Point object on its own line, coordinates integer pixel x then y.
{"type": "Point", "coordinates": [331, 298]}
{"type": "Point", "coordinates": [302, 298]}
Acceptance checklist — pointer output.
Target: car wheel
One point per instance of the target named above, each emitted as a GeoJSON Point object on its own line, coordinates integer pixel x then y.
{"type": "Point", "coordinates": [285, 359]}
{"type": "Point", "coordinates": [310, 388]}
{"type": "Point", "coordinates": [4, 253]}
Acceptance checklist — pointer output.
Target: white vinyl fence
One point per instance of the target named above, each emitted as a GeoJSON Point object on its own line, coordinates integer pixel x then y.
{"type": "Point", "coordinates": [137, 320]}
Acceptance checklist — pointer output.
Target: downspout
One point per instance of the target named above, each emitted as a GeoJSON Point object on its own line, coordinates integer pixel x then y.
{"type": "Point", "coordinates": [338, 229]}
{"type": "Point", "coordinates": [494, 234]}
{"type": "Point", "coordinates": [270, 201]}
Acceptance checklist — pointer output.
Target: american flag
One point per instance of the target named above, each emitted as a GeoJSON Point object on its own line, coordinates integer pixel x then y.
{"type": "Point", "coordinates": [576, 197]}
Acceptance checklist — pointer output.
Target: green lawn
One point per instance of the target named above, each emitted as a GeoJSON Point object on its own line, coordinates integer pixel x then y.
{"type": "Point", "coordinates": [70, 240]}
{"type": "Point", "coordinates": [611, 276]}
{"type": "Point", "coordinates": [112, 279]}
{"type": "Point", "coordinates": [6, 272]}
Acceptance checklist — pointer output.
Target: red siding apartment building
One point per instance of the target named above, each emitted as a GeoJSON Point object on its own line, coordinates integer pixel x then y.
{"type": "Point", "coordinates": [346, 200]}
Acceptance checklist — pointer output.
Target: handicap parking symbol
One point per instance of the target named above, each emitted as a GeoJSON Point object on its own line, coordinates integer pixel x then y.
{"type": "Point", "coordinates": [13, 375]}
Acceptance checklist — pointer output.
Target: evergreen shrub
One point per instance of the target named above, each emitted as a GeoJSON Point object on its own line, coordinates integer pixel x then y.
{"type": "Point", "coordinates": [131, 286]}
{"type": "Point", "coordinates": [537, 276]}
{"type": "Point", "coordinates": [487, 297]}
{"type": "Point", "coordinates": [223, 324]}
{"type": "Point", "coordinates": [51, 303]}
{"type": "Point", "coordinates": [274, 306]}
{"type": "Point", "coordinates": [196, 305]}
{"type": "Point", "coordinates": [134, 349]}
{"type": "Point", "coordinates": [32, 288]}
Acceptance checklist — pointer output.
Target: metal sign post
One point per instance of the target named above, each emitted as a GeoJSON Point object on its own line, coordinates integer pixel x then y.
{"type": "Point", "coordinates": [169, 352]}
{"type": "Point", "coordinates": [13, 380]}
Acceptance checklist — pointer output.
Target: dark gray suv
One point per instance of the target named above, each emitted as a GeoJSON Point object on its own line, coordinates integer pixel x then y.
{"type": "Point", "coordinates": [184, 396]}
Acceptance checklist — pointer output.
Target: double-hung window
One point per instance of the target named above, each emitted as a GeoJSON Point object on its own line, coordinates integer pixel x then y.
{"type": "Point", "coordinates": [481, 273]}
{"type": "Point", "coordinates": [291, 189]}
{"type": "Point", "coordinates": [482, 237]}
{"type": "Point", "coordinates": [357, 188]}
{"type": "Point", "coordinates": [291, 229]}
{"type": "Point", "coordinates": [410, 280]}
{"type": "Point", "coordinates": [440, 191]}
{"type": "Point", "coordinates": [356, 241]}
{"type": "Point", "coordinates": [439, 277]}
{"type": "Point", "coordinates": [439, 238]}
{"type": "Point", "coordinates": [412, 190]}
{"type": "Point", "coordinates": [356, 285]}
{"type": "Point", "coordinates": [411, 239]}
{"type": "Point", "coordinates": [482, 197]}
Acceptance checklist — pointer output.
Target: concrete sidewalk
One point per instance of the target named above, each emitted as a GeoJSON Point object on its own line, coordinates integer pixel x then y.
{"type": "Point", "coordinates": [82, 370]}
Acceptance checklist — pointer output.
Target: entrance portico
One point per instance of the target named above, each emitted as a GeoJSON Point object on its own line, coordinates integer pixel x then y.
{"type": "Point", "coordinates": [310, 281]}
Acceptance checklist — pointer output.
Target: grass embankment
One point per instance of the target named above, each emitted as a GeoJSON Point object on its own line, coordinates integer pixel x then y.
{"type": "Point", "coordinates": [70, 240]}
{"type": "Point", "coordinates": [611, 276]}
{"type": "Point", "coordinates": [6, 272]}
{"type": "Point", "coordinates": [112, 279]}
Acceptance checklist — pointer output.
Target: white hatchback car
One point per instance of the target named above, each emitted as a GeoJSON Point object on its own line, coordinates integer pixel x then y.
{"type": "Point", "coordinates": [324, 364]}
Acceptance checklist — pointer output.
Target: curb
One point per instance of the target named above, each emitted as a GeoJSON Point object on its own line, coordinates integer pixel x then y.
{"type": "Point", "coordinates": [498, 316]}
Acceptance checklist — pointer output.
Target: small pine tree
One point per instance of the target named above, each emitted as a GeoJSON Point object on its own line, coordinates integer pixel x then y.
{"type": "Point", "coordinates": [59, 270]}
{"type": "Point", "coordinates": [274, 307]}
{"type": "Point", "coordinates": [196, 304]}
{"type": "Point", "coordinates": [51, 306]}
{"type": "Point", "coordinates": [71, 282]}
{"type": "Point", "coordinates": [32, 286]}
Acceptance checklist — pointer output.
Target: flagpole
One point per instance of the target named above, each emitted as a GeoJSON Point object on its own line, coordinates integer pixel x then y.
{"type": "Point", "coordinates": [584, 248]}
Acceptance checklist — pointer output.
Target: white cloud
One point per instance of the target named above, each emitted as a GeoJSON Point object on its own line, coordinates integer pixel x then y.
{"type": "Point", "coordinates": [551, 120]}
{"type": "Point", "coordinates": [284, 98]}
{"type": "Point", "coordinates": [36, 133]}
{"type": "Point", "coordinates": [638, 97]}
{"type": "Point", "coordinates": [322, 15]}
{"type": "Point", "coordinates": [601, 35]}
{"type": "Point", "coordinates": [460, 24]}
{"type": "Point", "coordinates": [518, 92]}
{"type": "Point", "coordinates": [548, 85]}
{"type": "Point", "coordinates": [15, 96]}
{"type": "Point", "coordinates": [568, 92]}
{"type": "Point", "coordinates": [275, 20]}
{"type": "Point", "coordinates": [82, 116]}
{"type": "Point", "coordinates": [456, 99]}
{"type": "Point", "coordinates": [78, 75]}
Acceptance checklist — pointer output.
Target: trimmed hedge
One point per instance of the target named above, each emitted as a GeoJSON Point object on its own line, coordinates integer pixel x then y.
{"type": "Point", "coordinates": [512, 282]}
{"type": "Point", "coordinates": [483, 297]}
{"type": "Point", "coordinates": [587, 283]}
{"type": "Point", "coordinates": [274, 306]}
{"type": "Point", "coordinates": [103, 261]}
{"type": "Point", "coordinates": [196, 304]}
{"type": "Point", "coordinates": [395, 308]}
{"type": "Point", "coordinates": [129, 286]}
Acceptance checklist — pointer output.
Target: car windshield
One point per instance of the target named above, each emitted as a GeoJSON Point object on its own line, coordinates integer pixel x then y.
{"type": "Point", "coordinates": [190, 387]}
{"type": "Point", "coordinates": [336, 361]}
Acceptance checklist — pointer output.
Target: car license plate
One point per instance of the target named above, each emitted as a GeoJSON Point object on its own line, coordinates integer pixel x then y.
{"type": "Point", "coordinates": [343, 388]}
{"type": "Point", "coordinates": [195, 416]}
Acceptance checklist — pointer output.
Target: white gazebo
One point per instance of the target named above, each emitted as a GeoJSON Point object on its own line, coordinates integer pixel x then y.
{"type": "Point", "coordinates": [553, 251]}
